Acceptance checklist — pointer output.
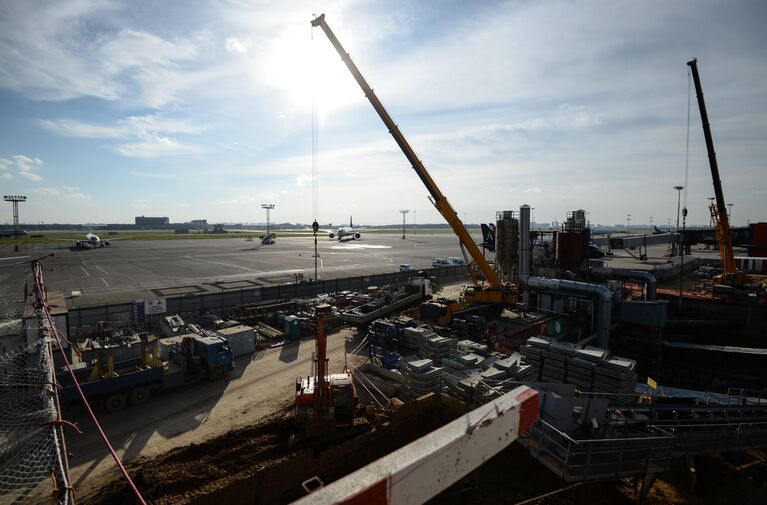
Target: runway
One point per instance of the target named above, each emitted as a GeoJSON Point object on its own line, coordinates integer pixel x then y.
{"type": "Point", "coordinates": [129, 270]}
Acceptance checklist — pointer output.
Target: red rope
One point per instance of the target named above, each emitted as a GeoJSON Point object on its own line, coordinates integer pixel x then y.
{"type": "Point", "coordinates": [37, 269]}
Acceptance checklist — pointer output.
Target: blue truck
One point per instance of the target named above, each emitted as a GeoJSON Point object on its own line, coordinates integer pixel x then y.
{"type": "Point", "coordinates": [134, 381]}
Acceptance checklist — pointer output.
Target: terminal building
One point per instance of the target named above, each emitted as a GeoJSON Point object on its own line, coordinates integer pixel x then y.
{"type": "Point", "coordinates": [152, 222]}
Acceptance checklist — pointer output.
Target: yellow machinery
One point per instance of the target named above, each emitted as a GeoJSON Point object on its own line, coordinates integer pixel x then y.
{"type": "Point", "coordinates": [494, 291]}
{"type": "Point", "coordinates": [731, 276]}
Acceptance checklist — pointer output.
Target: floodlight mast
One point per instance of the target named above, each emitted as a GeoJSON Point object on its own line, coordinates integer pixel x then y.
{"type": "Point", "coordinates": [437, 198]}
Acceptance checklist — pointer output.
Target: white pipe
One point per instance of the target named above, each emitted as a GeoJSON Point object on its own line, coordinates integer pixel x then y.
{"type": "Point", "coordinates": [602, 295]}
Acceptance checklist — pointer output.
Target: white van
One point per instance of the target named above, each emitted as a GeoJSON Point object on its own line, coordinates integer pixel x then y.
{"type": "Point", "coordinates": [456, 261]}
{"type": "Point", "coordinates": [440, 262]}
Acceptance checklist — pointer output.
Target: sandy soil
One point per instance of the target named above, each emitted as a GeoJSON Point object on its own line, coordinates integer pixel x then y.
{"type": "Point", "coordinates": [256, 389]}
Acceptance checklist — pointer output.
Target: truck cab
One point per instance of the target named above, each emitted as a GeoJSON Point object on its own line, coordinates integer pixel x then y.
{"type": "Point", "coordinates": [202, 356]}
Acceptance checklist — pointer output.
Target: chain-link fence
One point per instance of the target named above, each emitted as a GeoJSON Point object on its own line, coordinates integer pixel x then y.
{"type": "Point", "coordinates": [32, 450]}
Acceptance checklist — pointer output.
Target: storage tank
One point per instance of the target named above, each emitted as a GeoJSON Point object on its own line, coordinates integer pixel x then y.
{"type": "Point", "coordinates": [757, 240]}
{"type": "Point", "coordinates": [506, 243]}
{"type": "Point", "coordinates": [573, 248]}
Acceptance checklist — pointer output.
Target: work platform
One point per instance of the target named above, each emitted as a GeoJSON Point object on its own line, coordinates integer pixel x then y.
{"type": "Point", "coordinates": [643, 439]}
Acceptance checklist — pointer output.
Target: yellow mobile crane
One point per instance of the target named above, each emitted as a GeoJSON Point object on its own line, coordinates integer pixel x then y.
{"type": "Point", "coordinates": [731, 276]}
{"type": "Point", "coordinates": [494, 291]}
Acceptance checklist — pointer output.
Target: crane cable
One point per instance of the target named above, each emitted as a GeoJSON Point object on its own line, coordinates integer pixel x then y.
{"type": "Point", "coordinates": [315, 146]}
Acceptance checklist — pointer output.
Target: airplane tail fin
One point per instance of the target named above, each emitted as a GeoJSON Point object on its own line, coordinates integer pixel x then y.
{"type": "Point", "coordinates": [488, 236]}
{"type": "Point", "coordinates": [350, 222]}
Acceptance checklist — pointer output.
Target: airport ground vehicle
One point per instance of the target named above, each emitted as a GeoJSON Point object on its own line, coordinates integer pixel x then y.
{"type": "Point", "coordinates": [440, 262]}
{"type": "Point", "coordinates": [492, 290]}
{"type": "Point", "coordinates": [406, 267]}
{"type": "Point", "coordinates": [134, 381]}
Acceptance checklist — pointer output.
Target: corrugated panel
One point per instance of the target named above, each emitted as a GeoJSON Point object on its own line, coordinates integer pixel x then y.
{"type": "Point", "coordinates": [645, 313]}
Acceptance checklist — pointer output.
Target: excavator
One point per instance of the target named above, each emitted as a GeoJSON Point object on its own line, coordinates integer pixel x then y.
{"type": "Point", "coordinates": [489, 290]}
{"type": "Point", "coordinates": [731, 275]}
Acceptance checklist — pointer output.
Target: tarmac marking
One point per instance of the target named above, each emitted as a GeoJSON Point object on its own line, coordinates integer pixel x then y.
{"type": "Point", "coordinates": [360, 246]}
{"type": "Point", "coordinates": [105, 272]}
{"type": "Point", "coordinates": [14, 258]}
{"type": "Point", "coordinates": [85, 271]}
{"type": "Point", "coordinates": [188, 256]}
{"type": "Point", "coordinates": [105, 282]}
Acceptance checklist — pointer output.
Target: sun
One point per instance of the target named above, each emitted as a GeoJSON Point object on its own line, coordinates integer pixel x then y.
{"type": "Point", "coordinates": [308, 70]}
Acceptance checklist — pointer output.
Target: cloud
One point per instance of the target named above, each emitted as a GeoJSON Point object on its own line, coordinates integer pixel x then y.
{"type": "Point", "coordinates": [23, 166]}
{"type": "Point", "coordinates": [152, 175]}
{"type": "Point", "coordinates": [158, 146]}
{"type": "Point", "coordinates": [303, 179]}
{"type": "Point", "coordinates": [534, 189]}
{"type": "Point", "coordinates": [238, 200]}
{"type": "Point", "coordinates": [67, 50]}
{"type": "Point", "coordinates": [237, 45]}
{"type": "Point", "coordinates": [69, 192]}
{"type": "Point", "coordinates": [74, 193]}
{"type": "Point", "coordinates": [143, 136]}
{"type": "Point", "coordinates": [183, 205]}
{"type": "Point", "coordinates": [48, 191]}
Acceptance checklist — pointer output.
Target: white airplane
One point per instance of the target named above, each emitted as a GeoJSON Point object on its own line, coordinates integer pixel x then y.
{"type": "Point", "coordinates": [346, 232]}
{"type": "Point", "coordinates": [92, 241]}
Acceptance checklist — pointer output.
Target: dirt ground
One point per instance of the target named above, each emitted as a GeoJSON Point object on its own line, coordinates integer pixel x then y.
{"type": "Point", "coordinates": [512, 476]}
{"type": "Point", "coordinates": [174, 476]}
{"type": "Point", "coordinates": [190, 416]}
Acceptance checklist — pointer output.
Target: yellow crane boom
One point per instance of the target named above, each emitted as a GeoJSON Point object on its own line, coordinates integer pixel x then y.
{"type": "Point", "coordinates": [437, 198]}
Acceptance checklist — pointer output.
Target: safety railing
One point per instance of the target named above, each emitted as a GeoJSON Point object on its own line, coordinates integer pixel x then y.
{"type": "Point", "coordinates": [599, 458]}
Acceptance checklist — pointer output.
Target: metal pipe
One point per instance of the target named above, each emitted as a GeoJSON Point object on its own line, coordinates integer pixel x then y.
{"type": "Point", "coordinates": [524, 243]}
{"type": "Point", "coordinates": [647, 278]}
{"type": "Point", "coordinates": [602, 295]}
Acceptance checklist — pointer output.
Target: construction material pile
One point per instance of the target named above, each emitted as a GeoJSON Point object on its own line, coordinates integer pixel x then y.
{"type": "Point", "coordinates": [472, 377]}
{"type": "Point", "coordinates": [590, 368]}
{"type": "Point", "coordinates": [420, 377]}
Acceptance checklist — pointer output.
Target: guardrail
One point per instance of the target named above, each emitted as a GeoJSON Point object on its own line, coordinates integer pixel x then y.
{"type": "Point", "coordinates": [586, 459]}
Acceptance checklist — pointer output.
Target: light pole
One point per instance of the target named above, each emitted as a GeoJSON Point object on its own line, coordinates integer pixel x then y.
{"type": "Point", "coordinates": [651, 221]}
{"type": "Point", "coordinates": [15, 201]}
{"type": "Point", "coordinates": [729, 214]}
{"type": "Point", "coordinates": [414, 222]}
{"type": "Point", "coordinates": [628, 223]}
{"type": "Point", "coordinates": [404, 214]}
{"type": "Point", "coordinates": [711, 218]}
{"type": "Point", "coordinates": [267, 207]}
{"type": "Point", "coordinates": [678, 201]}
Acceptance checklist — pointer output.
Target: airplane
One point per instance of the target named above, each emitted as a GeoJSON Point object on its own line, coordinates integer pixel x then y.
{"type": "Point", "coordinates": [11, 233]}
{"type": "Point", "coordinates": [346, 232]}
{"type": "Point", "coordinates": [92, 240]}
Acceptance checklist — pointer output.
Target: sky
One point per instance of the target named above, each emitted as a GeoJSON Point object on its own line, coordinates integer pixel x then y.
{"type": "Point", "coordinates": [204, 110]}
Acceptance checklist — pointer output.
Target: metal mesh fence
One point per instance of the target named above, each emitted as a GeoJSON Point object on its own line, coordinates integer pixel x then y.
{"type": "Point", "coordinates": [32, 465]}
